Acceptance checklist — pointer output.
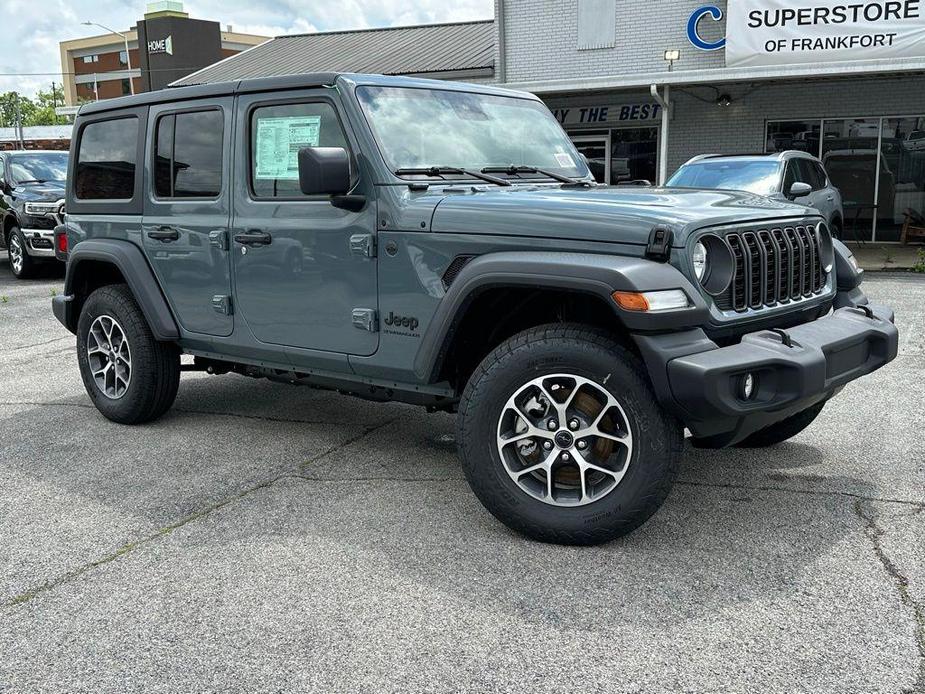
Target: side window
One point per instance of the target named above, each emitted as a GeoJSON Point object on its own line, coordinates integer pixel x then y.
{"type": "Point", "coordinates": [106, 160]}
{"type": "Point", "coordinates": [809, 174]}
{"type": "Point", "coordinates": [821, 174]}
{"type": "Point", "coordinates": [277, 134]}
{"type": "Point", "coordinates": [188, 155]}
{"type": "Point", "coordinates": [790, 176]}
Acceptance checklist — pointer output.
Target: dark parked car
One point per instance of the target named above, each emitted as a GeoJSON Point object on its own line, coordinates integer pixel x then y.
{"type": "Point", "coordinates": [454, 252]}
{"type": "Point", "coordinates": [31, 204]}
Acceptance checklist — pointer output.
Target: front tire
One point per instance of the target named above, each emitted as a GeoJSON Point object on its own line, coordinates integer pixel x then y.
{"type": "Point", "coordinates": [130, 377]}
{"type": "Point", "coordinates": [22, 264]}
{"type": "Point", "coordinates": [562, 439]}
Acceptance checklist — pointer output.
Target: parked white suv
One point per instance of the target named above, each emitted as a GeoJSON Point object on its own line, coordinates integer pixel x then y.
{"type": "Point", "coordinates": [792, 175]}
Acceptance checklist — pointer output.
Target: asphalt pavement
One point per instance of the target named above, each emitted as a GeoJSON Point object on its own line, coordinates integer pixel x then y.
{"type": "Point", "coordinates": [267, 538]}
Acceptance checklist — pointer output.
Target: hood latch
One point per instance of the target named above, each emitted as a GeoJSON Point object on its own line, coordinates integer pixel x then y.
{"type": "Point", "coordinates": [659, 246]}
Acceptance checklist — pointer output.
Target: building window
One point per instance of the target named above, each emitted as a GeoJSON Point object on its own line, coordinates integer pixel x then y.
{"type": "Point", "coordinates": [277, 135]}
{"type": "Point", "coordinates": [188, 155]}
{"type": "Point", "coordinates": [597, 24]}
{"type": "Point", "coordinates": [106, 160]}
{"type": "Point", "coordinates": [91, 59]}
{"type": "Point", "coordinates": [126, 87]}
{"type": "Point", "coordinates": [123, 58]}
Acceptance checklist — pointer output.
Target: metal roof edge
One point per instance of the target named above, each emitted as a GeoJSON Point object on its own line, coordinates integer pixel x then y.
{"type": "Point", "coordinates": [721, 76]}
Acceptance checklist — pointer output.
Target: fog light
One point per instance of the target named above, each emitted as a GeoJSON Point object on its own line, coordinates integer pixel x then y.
{"type": "Point", "coordinates": [748, 387]}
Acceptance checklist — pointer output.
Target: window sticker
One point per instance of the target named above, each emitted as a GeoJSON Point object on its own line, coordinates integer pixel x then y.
{"type": "Point", "coordinates": [279, 141]}
{"type": "Point", "coordinates": [565, 160]}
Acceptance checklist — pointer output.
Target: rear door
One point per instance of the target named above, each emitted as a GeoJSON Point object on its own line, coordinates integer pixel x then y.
{"type": "Point", "coordinates": [303, 268]}
{"type": "Point", "coordinates": [187, 210]}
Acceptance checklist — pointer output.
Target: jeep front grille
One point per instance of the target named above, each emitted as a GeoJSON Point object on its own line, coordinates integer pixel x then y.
{"type": "Point", "coordinates": [772, 267]}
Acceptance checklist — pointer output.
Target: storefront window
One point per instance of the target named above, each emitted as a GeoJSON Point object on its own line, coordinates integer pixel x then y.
{"type": "Point", "coordinates": [902, 174]}
{"type": "Point", "coordinates": [793, 134]}
{"type": "Point", "coordinates": [849, 154]}
{"type": "Point", "coordinates": [633, 153]}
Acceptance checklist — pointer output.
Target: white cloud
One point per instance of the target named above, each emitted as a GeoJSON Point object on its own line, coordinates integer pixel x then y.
{"type": "Point", "coordinates": [33, 28]}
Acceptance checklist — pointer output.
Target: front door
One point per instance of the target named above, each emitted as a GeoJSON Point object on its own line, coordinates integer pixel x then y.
{"type": "Point", "coordinates": [302, 266]}
{"type": "Point", "coordinates": [187, 210]}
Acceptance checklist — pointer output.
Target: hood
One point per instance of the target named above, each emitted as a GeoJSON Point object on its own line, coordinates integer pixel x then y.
{"type": "Point", "coordinates": [607, 213]}
{"type": "Point", "coordinates": [40, 192]}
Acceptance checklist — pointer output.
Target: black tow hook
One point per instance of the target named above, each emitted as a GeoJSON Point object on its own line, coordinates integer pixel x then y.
{"type": "Point", "coordinates": [866, 309]}
{"type": "Point", "coordinates": [785, 339]}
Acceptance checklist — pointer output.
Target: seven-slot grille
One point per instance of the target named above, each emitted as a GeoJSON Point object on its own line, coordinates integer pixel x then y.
{"type": "Point", "coordinates": [773, 266]}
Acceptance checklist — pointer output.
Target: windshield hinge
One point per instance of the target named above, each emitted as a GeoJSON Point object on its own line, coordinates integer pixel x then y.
{"type": "Point", "coordinates": [659, 246]}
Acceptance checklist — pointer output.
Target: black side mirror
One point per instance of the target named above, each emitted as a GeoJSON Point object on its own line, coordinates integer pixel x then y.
{"type": "Point", "coordinates": [324, 171]}
{"type": "Point", "coordinates": [799, 190]}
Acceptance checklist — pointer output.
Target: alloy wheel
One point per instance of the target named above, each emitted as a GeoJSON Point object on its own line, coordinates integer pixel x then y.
{"type": "Point", "coordinates": [564, 440]}
{"type": "Point", "coordinates": [109, 357]}
{"type": "Point", "coordinates": [16, 253]}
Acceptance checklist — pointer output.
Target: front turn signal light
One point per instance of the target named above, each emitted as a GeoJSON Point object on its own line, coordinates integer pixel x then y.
{"type": "Point", "coordinates": [652, 302]}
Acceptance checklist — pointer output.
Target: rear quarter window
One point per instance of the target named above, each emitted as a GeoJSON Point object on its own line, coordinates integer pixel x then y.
{"type": "Point", "coordinates": [106, 159]}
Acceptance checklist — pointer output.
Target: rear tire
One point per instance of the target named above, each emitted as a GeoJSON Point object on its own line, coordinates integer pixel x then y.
{"type": "Point", "coordinates": [783, 430]}
{"type": "Point", "coordinates": [605, 398]}
{"type": "Point", "coordinates": [130, 377]}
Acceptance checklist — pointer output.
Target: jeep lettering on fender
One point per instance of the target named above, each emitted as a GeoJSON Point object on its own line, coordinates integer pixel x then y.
{"type": "Point", "coordinates": [575, 329]}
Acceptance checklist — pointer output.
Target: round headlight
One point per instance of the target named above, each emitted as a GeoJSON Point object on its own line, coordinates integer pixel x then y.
{"type": "Point", "coordinates": [699, 259]}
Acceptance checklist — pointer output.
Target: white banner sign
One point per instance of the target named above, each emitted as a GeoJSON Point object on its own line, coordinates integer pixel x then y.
{"type": "Point", "coordinates": [608, 114]}
{"type": "Point", "coordinates": [788, 32]}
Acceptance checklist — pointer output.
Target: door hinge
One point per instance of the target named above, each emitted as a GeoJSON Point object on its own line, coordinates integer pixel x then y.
{"type": "Point", "coordinates": [219, 239]}
{"type": "Point", "coordinates": [366, 319]}
{"type": "Point", "coordinates": [363, 244]}
{"type": "Point", "coordinates": [221, 303]}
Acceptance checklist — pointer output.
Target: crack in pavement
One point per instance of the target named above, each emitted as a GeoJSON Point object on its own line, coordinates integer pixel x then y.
{"type": "Point", "coordinates": [40, 344]}
{"type": "Point", "coordinates": [129, 547]}
{"type": "Point", "coordinates": [875, 532]}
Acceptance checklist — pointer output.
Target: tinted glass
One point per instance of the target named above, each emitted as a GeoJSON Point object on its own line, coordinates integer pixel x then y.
{"type": "Point", "coordinates": [759, 177]}
{"type": "Point", "coordinates": [793, 134]}
{"type": "Point", "coordinates": [277, 135]}
{"type": "Point", "coordinates": [791, 176]}
{"type": "Point", "coordinates": [188, 155]}
{"type": "Point", "coordinates": [106, 160]}
{"type": "Point", "coordinates": [902, 175]}
{"type": "Point", "coordinates": [809, 174]}
{"type": "Point", "coordinates": [849, 154]}
{"type": "Point", "coordinates": [38, 168]}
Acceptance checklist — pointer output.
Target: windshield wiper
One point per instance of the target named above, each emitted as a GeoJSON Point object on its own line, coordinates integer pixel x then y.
{"type": "Point", "coordinates": [31, 180]}
{"type": "Point", "coordinates": [441, 170]}
{"type": "Point", "coordinates": [516, 170]}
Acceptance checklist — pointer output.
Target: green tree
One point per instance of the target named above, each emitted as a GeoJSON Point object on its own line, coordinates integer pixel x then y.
{"type": "Point", "coordinates": [45, 102]}
{"type": "Point", "coordinates": [8, 109]}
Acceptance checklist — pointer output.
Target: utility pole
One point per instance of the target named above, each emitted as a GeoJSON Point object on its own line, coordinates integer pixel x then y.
{"type": "Point", "coordinates": [19, 133]}
{"type": "Point", "coordinates": [54, 103]}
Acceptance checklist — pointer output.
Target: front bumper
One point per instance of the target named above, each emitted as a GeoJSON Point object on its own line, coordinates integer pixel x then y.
{"type": "Point", "coordinates": [792, 370]}
{"type": "Point", "coordinates": [40, 243]}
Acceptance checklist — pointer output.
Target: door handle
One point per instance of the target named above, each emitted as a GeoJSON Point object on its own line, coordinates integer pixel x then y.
{"type": "Point", "coordinates": [253, 237]}
{"type": "Point", "coordinates": [164, 234]}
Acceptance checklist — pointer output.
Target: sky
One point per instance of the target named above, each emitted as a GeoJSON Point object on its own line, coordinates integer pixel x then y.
{"type": "Point", "coordinates": [33, 28]}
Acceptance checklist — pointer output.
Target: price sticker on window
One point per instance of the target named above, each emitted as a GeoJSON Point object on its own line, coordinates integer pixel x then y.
{"type": "Point", "coordinates": [279, 141]}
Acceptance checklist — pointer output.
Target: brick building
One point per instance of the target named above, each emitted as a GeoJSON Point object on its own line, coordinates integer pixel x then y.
{"type": "Point", "coordinates": [172, 45]}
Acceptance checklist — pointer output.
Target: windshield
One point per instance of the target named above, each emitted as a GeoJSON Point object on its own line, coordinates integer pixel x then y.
{"type": "Point", "coordinates": [38, 167]}
{"type": "Point", "coordinates": [759, 177]}
{"type": "Point", "coordinates": [422, 128]}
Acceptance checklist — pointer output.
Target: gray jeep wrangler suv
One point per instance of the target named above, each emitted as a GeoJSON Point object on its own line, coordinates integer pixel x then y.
{"type": "Point", "coordinates": [445, 245]}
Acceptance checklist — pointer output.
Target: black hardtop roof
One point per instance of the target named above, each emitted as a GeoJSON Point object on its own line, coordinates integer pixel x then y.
{"type": "Point", "coordinates": [199, 91]}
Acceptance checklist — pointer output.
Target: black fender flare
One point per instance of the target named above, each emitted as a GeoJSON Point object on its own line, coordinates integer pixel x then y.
{"type": "Point", "coordinates": [589, 273]}
{"type": "Point", "coordinates": [131, 262]}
